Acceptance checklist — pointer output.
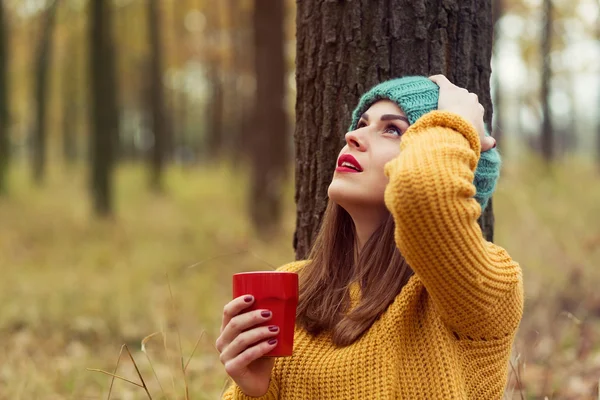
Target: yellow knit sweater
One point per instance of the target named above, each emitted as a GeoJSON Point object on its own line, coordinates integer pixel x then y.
{"type": "Point", "coordinates": [448, 333]}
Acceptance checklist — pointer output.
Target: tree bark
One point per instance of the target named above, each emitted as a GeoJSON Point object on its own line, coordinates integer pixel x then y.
{"type": "Point", "coordinates": [104, 116]}
{"type": "Point", "coordinates": [344, 48]}
{"type": "Point", "coordinates": [497, 11]}
{"type": "Point", "coordinates": [547, 134]}
{"type": "Point", "coordinates": [43, 62]}
{"type": "Point", "coordinates": [268, 155]}
{"type": "Point", "coordinates": [157, 97]}
{"type": "Point", "coordinates": [4, 134]}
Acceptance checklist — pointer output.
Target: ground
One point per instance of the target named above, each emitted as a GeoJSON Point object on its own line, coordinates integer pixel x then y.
{"type": "Point", "coordinates": [74, 289]}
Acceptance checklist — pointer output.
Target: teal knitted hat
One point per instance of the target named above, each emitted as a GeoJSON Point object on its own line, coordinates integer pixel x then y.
{"type": "Point", "coordinates": [416, 96]}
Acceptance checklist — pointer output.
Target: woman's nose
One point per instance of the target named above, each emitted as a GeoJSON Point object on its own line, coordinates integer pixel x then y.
{"type": "Point", "coordinates": [356, 141]}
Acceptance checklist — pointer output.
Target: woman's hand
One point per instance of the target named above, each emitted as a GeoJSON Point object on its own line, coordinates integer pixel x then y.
{"type": "Point", "coordinates": [460, 101]}
{"type": "Point", "coordinates": [242, 345]}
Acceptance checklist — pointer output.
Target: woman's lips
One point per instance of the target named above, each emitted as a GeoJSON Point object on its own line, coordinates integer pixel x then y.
{"type": "Point", "coordinates": [347, 163]}
{"type": "Point", "coordinates": [346, 169]}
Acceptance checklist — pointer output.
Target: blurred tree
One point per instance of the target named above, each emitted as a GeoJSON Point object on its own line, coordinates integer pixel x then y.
{"type": "Point", "coordinates": [158, 115]}
{"type": "Point", "coordinates": [268, 141]}
{"type": "Point", "coordinates": [239, 114]}
{"type": "Point", "coordinates": [130, 27]}
{"type": "Point", "coordinates": [42, 67]}
{"type": "Point", "coordinates": [104, 116]}
{"type": "Point", "coordinates": [70, 92]}
{"type": "Point", "coordinates": [4, 124]}
{"type": "Point", "coordinates": [179, 99]}
{"type": "Point", "coordinates": [547, 134]}
{"type": "Point", "coordinates": [350, 46]}
{"type": "Point", "coordinates": [214, 139]}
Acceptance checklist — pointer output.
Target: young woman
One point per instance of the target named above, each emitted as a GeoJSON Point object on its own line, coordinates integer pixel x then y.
{"type": "Point", "coordinates": [401, 298]}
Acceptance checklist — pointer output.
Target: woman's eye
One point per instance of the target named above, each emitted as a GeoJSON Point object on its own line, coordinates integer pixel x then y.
{"type": "Point", "coordinates": [361, 124]}
{"type": "Point", "coordinates": [394, 130]}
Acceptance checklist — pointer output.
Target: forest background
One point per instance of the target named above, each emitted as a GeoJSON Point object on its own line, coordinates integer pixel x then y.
{"type": "Point", "coordinates": [147, 152]}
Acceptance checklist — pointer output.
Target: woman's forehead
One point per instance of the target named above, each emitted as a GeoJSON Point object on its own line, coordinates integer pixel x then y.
{"type": "Point", "coordinates": [384, 106]}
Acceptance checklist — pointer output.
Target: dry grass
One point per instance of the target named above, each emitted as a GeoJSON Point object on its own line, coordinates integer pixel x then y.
{"type": "Point", "coordinates": [74, 290]}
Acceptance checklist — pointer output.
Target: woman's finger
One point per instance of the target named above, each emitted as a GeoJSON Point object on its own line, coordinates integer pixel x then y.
{"type": "Point", "coordinates": [236, 365]}
{"type": "Point", "coordinates": [234, 307]}
{"type": "Point", "coordinates": [247, 339]}
{"type": "Point", "coordinates": [441, 80]}
{"type": "Point", "coordinates": [487, 143]}
{"type": "Point", "coordinates": [241, 323]}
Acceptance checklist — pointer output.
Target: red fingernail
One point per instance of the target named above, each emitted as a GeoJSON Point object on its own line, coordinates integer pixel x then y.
{"type": "Point", "coordinates": [266, 314]}
{"type": "Point", "coordinates": [272, 341]}
{"type": "Point", "coordinates": [273, 328]}
{"type": "Point", "coordinates": [248, 299]}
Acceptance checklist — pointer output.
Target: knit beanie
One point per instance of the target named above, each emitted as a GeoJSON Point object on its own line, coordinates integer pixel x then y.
{"type": "Point", "coordinates": [416, 96]}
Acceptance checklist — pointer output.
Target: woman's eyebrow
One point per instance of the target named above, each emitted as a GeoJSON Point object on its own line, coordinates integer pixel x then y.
{"type": "Point", "coordinates": [365, 117]}
{"type": "Point", "coordinates": [390, 117]}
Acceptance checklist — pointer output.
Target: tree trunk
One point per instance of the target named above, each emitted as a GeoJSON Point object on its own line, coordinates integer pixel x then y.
{"type": "Point", "coordinates": [157, 97]}
{"type": "Point", "coordinates": [268, 155]}
{"type": "Point", "coordinates": [346, 48]}
{"type": "Point", "coordinates": [238, 109]}
{"type": "Point", "coordinates": [497, 11]}
{"type": "Point", "coordinates": [70, 117]}
{"type": "Point", "coordinates": [214, 136]}
{"type": "Point", "coordinates": [4, 134]}
{"type": "Point", "coordinates": [104, 112]}
{"type": "Point", "coordinates": [214, 145]}
{"type": "Point", "coordinates": [179, 107]}
{"type": "Point", "coordinates": [547, 135]}
{"type": "Point", "coordinates": [42, 67]}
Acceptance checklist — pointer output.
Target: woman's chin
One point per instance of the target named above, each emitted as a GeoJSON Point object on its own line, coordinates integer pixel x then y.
{"type": "Point", "coordinates": [345, 193]}
{"type": "Point", "coordinates": [348, 194]}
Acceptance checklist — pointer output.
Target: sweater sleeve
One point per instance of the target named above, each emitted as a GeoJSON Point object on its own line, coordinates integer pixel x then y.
{"type": "Point", "coordinates": [475, 285]}
{"type": "Point", "coordinates": [235, 393]}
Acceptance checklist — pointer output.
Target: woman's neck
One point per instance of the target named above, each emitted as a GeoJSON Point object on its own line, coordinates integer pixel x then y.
{"type": "Point", "coordinates": [365, 223]}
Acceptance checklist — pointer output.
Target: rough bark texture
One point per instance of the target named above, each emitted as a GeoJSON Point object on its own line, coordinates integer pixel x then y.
{"type": "Point", "coordinates": [547, 136]}
{"type": "Point", "coordinates": [268, 155]}
{"type": "Point", "coordinates": [158, 119]}
{"type": "Point", "coordinates": [497, 11]}
{"type": "Point", "coordinates": [4, 135]}
{"type": "Point", "coordinates": [104, 112]}
{"type": "Point", "coordinates": [42, 69]}
{"type": "Point", "coordinates": [345, 47]}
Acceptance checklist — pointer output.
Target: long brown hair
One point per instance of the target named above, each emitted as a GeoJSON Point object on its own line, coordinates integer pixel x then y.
{"type": "Point", "coordinates": [380, 270]}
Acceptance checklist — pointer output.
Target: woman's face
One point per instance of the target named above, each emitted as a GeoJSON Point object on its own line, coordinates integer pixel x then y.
{"type": "Point", "coordinates": [359, 179]}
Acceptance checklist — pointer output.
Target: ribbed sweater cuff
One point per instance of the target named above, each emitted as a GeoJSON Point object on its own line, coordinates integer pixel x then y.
{"type": "Point", "coordinates": [447, 119]}
{"type": "Point", "coordinates": [272, 393]}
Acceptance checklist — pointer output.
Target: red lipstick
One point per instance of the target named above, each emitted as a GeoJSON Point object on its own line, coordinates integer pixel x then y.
{"type": "Point", "coordinates": [347, 163]}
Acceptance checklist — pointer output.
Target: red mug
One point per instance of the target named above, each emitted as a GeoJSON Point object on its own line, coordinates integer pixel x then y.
{"type": "Point", "coordinates": [277, 292]}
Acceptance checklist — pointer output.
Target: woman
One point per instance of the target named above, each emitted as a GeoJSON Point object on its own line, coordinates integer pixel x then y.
{"type": "Point", "coordinates": [402, 298]}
